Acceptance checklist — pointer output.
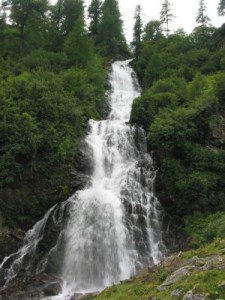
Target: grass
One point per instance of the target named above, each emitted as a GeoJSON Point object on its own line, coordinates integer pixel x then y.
{"type": "Point", "coordinates": [144, 285]}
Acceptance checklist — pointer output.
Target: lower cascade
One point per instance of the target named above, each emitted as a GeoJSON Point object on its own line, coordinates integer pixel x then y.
{"type": "Point", "coordinates": [111, 229]}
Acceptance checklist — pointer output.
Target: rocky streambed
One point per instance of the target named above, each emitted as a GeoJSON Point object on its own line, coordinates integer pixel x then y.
{"type": "Point", "coordinates": [192, 275]}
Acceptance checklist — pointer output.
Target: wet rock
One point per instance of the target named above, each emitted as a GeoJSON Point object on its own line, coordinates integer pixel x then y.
{"type": "Point", "coordinates": [175, 277]}
{"type": "Point", "coordinates": [18, 234]}
{"type": "Point", "coordinates": [79, 296]}
{"type": "Point", "coordinates": [2, 277]}
{"type": "Point", "coordinates": [53, 289]}
{"type": "Point", "coordinates": [177, 293]}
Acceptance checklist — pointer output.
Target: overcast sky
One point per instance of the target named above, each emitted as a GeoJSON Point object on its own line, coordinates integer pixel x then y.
{"type": "Point", "coordinates": [184, 10]}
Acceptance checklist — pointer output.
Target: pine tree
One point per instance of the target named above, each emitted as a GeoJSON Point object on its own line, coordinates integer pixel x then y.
{"type": "Point", "coordinates": [78, 45]}
{"type": "Point", "coordinates": [221, 8]}
{"type": "Point", "coordinates": [56, 21]}
{"type": "Point", "coordinates": [94, 13]}
{"type": "Point", "coordinates": [137, 33]}
{"type": "Point", "coordinates": [28, 17]}
{"type": "Point", "coordinates": [166, 15]}
{"type": "Point", "coordinates": [111, 38]}
{"type": "Point", "coordinates": [73, 10]}
{"type": "Point", "coordinates": [64, 16]}
{"type": "Point", "coordinates": [202, 18]}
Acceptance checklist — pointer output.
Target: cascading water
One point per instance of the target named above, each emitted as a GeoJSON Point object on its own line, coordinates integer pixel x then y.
{"type": "Point", "coordinates": [112, 228]}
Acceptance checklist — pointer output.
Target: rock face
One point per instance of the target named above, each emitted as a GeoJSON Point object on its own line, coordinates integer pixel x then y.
{"type": "Point", "coordinates": [18, 234]}
{"type": "Point", "coordinates": [52, 289]}
{"type": "Point", "coordinates": [32, 288]}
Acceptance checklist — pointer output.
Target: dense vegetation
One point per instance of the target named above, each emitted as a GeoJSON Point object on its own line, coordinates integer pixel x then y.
{"type": "Point", "coordinates": [204, 265]}
{"type": "Point", "coordinates": [182, 110]}
{"type": "Point", "coordinates": [204, 278]}
{"type": "Point", "coordinates": [52, 80]}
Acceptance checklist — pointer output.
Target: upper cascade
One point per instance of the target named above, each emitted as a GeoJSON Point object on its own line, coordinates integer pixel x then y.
{"type": "Point", "coordinates": [125, 89]}
{"type": "Point", "coordinates": [112, 228]}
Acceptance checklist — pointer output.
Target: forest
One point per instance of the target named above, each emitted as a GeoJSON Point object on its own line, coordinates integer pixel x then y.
{"type": "Point", "coordinates": [55, 60]}
{"type": "Point", "coordinates": [53, 80]}
{"type": "Point", "coordinates": [182, 109]}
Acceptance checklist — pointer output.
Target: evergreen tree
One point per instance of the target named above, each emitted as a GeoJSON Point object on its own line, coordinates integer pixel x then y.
{"type": "Point", "coordinates": [73, 10]}
{"type": "Point", "coordinates": [57, 15]}
{"type": "Point", "coordinates": [166, 15]}
{"type": "Point", "coordinates": [28, 16]}
{"type": "Point", "coordinates": [78, 45]}
{"type": "Point", "coordinates": [111, 38]}
{"type": "Point", "coordinates": [56, 37]}
{"type": "Point", "coordinates": [138, 30]}
{"type": "Point", "coordinates": [221, 8]}
{"type": "Point", "coordinates": [1, 9]}
{"type": "Point", "coordinates": [64, 16]}
{"type": "Point", "coordinates": [202, 18]}
{"type": "Point", "coordinates": [94, 13]}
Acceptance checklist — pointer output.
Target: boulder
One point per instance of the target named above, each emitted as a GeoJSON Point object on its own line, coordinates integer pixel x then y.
{"type": "Point", "coordinates": [175, 277]}
{"type": "Point", "coordinates": [192, 296]}
{"type": "Point", "coordinates": [53, 289]}
{"type": "Point", "coordinates": [172, 261]}
{"type": "Point", "coordinates": [206, 263]}
{"type": "Point", "coordinates": [18, 234]}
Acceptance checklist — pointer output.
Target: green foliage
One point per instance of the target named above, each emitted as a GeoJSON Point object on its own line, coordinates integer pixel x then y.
{"type": "Point", "coordinates": [201, 17]}
{"type": "Point", "coordinates": [221, 8]}
{"type": "Point", "coordinates": [73, 11]}
{"type": "Point", "coordinates": [78, 46]}
{"type": "Point", "coordinates": [145, 285]}
{"type": "Point", "coordinates": [164, 93]}
{"type": "Point", "coordinates": [153, 31]}
{"type": "Point", "coordinates": [111, 39]}
{"type": "Point", "coordinates": [137, 32]}
{"type": "Point", "coordinates": [166, 15]}
{"type": "Point", "coordinates": [182, 110]}
{"type": "Point", "coordinates": [51, 82]}
{"type": "Point", "coordinates": [29, 18]}
{"type": "Point", "coordinates": [95, 13]}
{"type": "Point", "coordinates": [204, 229]}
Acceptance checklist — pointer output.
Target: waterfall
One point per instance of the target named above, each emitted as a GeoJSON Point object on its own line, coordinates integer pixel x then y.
{"type": "Point", "coordinates": [112, 228]}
